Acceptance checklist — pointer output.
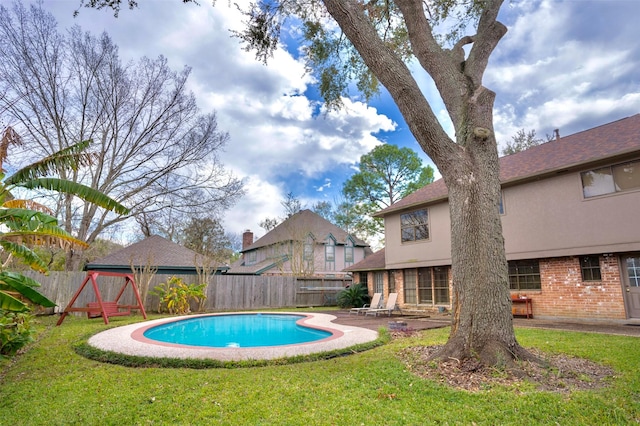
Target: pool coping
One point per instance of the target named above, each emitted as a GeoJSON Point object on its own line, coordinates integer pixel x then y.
{"type": "Point", "coordinates": [128, 340]}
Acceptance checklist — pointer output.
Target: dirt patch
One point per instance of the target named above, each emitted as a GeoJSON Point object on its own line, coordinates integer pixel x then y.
{"type": "Point", "coordinates": [560, 373]}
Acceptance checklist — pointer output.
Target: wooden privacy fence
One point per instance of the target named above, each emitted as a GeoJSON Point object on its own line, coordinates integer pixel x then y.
{"type": "Point", "coordinates": [224, 292]}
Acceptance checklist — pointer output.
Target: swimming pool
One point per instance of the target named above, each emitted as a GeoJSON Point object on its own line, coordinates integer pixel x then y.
{"type": "Point", "coordinates": [130, 340]}
{"type": "Point", "coordinates": [237, 330]}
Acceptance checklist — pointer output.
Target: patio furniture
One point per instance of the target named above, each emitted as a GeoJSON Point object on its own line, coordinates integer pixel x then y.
{"type": "Point", "coordinates": [391, 306]}
{"type": "Point", "coordinates": [375, 304]}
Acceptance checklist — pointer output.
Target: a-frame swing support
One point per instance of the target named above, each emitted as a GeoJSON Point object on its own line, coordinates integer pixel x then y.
{"type": "Point", "coordinates": [106, 309]}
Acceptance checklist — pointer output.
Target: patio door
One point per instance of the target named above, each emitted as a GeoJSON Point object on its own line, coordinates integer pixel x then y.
{"type": "Point", "coordinates": [631, 284]}
{"type": "Point", "coordinates": [378, 284]}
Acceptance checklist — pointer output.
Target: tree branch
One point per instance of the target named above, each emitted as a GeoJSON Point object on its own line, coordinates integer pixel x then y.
{"type": "Point", "coordinates": [394, 74]}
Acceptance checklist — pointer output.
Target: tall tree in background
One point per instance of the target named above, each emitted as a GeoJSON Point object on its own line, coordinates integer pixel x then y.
{"type": "Point", "coordinates": [377, 43]}
{"type": "Point", "coordinates": [523, 140]}
{"type": "Point", "coordinates": [387, 174]}
{"type": "Point", "coordinates": [206, 236]}
{"type": "Point", "coordinates": [154, 150]}
{"type": "Point", "coordinates": [324, 209]}
{"type": "Point", "coordinates": [291, 204]}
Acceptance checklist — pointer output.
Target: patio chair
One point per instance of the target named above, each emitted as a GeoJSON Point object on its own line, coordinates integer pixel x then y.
{"type": "Point", "coordinates": [391, 306]}
{"type": "Point", "coordinates": [375, 304]}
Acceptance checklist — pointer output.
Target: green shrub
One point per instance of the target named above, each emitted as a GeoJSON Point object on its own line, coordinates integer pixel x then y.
{"type": "Point", "coordinates": [15, 332]}
{"type": "Point", "coordinates": [176, 296]}
{"type": "Point", "coordinates": [354, 296]}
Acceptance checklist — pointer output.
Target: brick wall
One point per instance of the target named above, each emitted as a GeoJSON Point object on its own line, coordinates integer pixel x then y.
{"type": "Point", "coordinates": [565, 295]}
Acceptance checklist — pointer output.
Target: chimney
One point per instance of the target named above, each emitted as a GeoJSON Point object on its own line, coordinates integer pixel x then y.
{"type": "Point", "coordinates": [247, 239]}
{"type": "Point", "coordinates": [557, 132]}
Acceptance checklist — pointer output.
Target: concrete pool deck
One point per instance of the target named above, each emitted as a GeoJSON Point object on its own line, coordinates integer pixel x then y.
{"type": "Point", "coordinates": [129, 340]}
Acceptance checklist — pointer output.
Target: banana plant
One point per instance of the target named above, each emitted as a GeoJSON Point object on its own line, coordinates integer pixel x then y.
{"type": "Point", "coordinates": [25, 223]}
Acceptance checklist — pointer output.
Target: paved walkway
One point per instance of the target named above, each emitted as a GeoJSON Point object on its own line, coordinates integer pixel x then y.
{"type": "Point", "coordinates": [428, 321]}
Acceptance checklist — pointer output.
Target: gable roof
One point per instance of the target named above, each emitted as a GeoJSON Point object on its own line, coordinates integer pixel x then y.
{"type": "Point", "coordinates": [375, 261]}
{"type": "Point", "coordinates": [166, 255]}
{"type": "Point", "coordinates": [603, 143]}
{"type": "Point", "coordinates": [299, 226]}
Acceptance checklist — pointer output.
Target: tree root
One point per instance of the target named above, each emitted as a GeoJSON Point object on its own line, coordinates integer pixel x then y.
{"type": "Point", "coordinates": [493, 353]}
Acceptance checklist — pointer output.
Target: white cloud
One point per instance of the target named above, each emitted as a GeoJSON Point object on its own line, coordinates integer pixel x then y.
{"type": "Point", "coordinates": [561, 65]}
{"type": "Point", "coordinates": [276, 132]}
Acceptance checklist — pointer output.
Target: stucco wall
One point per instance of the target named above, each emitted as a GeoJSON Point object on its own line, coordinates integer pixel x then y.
{"type": "Point", "coordinates": [545, 218]}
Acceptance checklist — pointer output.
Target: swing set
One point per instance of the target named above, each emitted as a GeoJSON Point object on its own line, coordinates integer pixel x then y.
{"type": "Point", "coordinates": [101, 308]}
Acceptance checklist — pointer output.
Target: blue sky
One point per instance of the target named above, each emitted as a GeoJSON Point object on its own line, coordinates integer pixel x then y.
{"type": "Point", "coordinates": [568, 65]}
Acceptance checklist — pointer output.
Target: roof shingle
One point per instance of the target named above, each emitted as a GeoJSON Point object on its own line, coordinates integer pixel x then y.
{"type": "Point", "coordinates": [370, 263]}
{"type": "Point", "coordinates": [300, 225]}
{"type": "Point", "coordinates": [155, 250]}
{"type": "Point", "coordinates": [607, 141]}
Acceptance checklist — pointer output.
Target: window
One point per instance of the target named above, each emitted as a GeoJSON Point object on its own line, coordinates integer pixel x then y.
{"type": "Point", "coordinates": [348, 252]}
{"type": "Point", "coordinates": [633, 271]}
{"type": "Point", "coordinates": [251, 257]}
{"type": "Point", "coordinates": [424, 286]}
{"type": "Point", "coordinates": [433, 285]}
{"type": "Point", "coordinates": [410, 283]}
{"type": "Point", "coordinates": [414, 226]}
{"type": "Point", "coordinates": [378, 282]}
{"type": "Point", "coordinates": [364, 278]}
{"type": "Point", "coordinates": [524, 275]}
{"type": "Point", "coordinates": [330, 253]}
{"type": "Point", "coordinates": [308, 251]}
{"type": "Point", "coordinates": [441, 285]}
{"type": "Point", "coordinates": [501, 205]}
{"type": "Point", "coordinates": [590, 268]}
{"type": "Point", "coordinates": [392, 281]}
{"type": "Point", "coordinates": [329, 250]}
{"type": "Point", "coordinates": [611, 179]}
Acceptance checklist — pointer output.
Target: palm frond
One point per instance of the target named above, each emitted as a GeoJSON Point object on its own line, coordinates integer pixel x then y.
{"type": "Point", "coordinates": [10, 303]}
{"type": "Point", "coordinates": [26, 287]}
{"type": "Point", "coordinates": [43, 235]}
{"type": "Point", "coordinates": [25, 254]}
{"type": "Point", "coordinates": [70, 158]}
{"type": "Point", "coordinates": [79, 190]}
{"type": "Point", "coordinates": [28, 205]}
{"type": "Point", "coordinates": [19, 215]}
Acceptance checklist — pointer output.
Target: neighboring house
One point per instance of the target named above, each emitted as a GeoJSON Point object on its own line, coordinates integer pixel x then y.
{"type": "Point", "coordinates": [304, 245]}
{"type": "Point", "coordinates": [570, 216]}
{"type": "Point", "coordinates": [165, 256]}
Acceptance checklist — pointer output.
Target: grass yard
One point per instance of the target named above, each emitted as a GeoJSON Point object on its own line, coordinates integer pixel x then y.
{"type": "Point", "coordinates": [52, 385]}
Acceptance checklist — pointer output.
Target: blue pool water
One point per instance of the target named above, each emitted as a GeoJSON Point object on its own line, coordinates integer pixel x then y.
{"type": "Point", "coordinates": [236, 330]}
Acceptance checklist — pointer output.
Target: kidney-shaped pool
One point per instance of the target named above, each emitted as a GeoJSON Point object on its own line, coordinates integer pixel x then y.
{"type": "Point", "coordinates": [237, 331]}
{"type": "Point", "coordinates": [233, 336]}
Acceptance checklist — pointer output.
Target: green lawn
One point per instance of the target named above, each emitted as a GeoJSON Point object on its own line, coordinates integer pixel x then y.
{"type": "Point", "coordinates": [52, 385]}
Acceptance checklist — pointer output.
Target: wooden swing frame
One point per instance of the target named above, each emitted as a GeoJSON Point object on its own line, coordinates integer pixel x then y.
{"type": "Point", "coordinates": [100, 307]}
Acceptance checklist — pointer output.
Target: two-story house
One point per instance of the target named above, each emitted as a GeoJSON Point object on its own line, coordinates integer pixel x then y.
{"type": "Point", "coordinates": [571, 222]}
{"type": "Point", "coordinates": [304, 245]}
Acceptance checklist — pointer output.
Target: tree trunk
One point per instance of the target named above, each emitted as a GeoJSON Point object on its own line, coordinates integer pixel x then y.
{"type": "Point", "coordinates": [482, 323]}
{"type": "Point", "coordinates": [74, 259]}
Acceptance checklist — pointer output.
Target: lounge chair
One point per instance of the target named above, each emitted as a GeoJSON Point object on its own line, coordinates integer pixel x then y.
{"type": "Point", "coordinates": [375, 304]}
{"type": "Point", "coordinates": [391, 306]}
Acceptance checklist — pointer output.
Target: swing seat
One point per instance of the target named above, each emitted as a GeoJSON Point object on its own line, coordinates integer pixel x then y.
{"type": "Point", "coordinates": [111, 309]}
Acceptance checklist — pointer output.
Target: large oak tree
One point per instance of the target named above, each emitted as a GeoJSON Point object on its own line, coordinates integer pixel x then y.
{"type": "Point", "coordinates": [393, 42]}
